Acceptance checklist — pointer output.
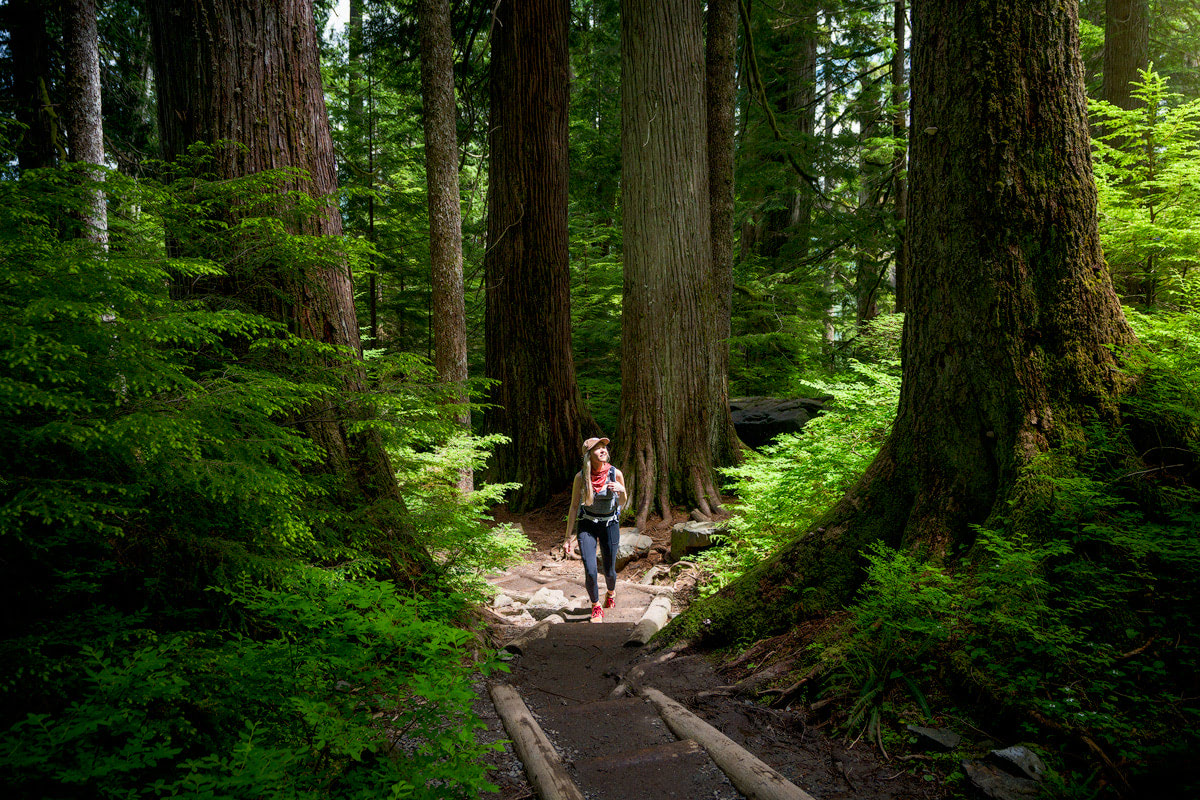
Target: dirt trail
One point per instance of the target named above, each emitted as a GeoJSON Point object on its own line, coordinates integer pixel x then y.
{"type": "Point", "coordinates": [616, 746]}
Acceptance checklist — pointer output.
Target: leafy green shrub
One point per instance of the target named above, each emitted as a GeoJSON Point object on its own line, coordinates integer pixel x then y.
{"type": "Point", "coordinates": [337, 689]}
{"type": "Point", "coordinates": [1147, 165]}
{"type": "Point", "coordinates": [786, 487]}
{"type": "Point", "coordinates": [186, 609]}
{"type": "Point", "coordinates": [451, 524]}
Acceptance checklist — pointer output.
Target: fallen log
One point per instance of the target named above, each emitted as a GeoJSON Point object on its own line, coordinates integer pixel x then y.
{"type": "Point", "coordinates": [749, 775]}
{"type": "Point", "coordinates": [653, 618]}
{"type": "Point", "coordinates": [545, 769]}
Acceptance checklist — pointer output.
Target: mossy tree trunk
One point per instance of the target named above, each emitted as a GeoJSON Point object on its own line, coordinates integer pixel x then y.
{"type": "Point", "coordinates": [247, 71]}
{"type": "Point", "coordinates": [535, 400]}
{"type": "Point", "coordinates": [675, 424]}
{"type": "Point", "coordinates": [1010, 310]}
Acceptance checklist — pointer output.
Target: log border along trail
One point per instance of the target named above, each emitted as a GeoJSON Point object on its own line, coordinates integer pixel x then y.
{"type": "Point", "coordinates": [582, 710]}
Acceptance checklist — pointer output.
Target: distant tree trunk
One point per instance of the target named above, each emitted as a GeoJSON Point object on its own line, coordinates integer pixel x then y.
{"type": "Point", "coordinates": [721, 100]}
{"type": "Point", "coordinates": [535, 400]}
{"type": "Point", "coordinates": [1011, 310]}
{"type": "Point", "coordinates": [802, 103]}
{"type": "Point", "coordinates": [445, 220]}
{"type": "Point", "coordinates": [85, 127]}
{"type": "Point", "coordinates": [674, 417]}
{"type": "Point", "coordinates": [360, 121]}
{"type": "Point", "coordinates": [871, 186]}
{"type": "Point", "coordinates": [900, 160]}
{"type": "Point", "coordinates": [248, 71]}
{"type": "Point", "coordinates": [29, 46]}
{"type": "Point", "coordinates": [1126, 48]}
{"type": "Point", "coordinates": [791, 222]}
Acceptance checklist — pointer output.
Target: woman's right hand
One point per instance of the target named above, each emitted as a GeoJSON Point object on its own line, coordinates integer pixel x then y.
{"type": "Point", "coordinates": [568, 545]}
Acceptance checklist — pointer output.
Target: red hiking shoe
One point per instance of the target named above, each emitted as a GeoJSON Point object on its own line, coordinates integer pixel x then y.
{"type": "Point", "coordinates": [597, 613]}
{"type": "Point", "coordinates": [610, 601]}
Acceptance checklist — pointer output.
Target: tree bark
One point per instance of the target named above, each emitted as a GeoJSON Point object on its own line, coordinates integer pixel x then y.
{"type": "Point", "coordinates": [721, 102]}
{"type": "Point", "coordinates": [1126, 49]}
{"type": "Point", "coordinates": [1011, 312]}
{"type": "Point", "coordinates": [674, 422]}
{"type": "Point", "coordinates": [85, 126]}
{"type": "Point", "coordinates": [534, 400]}
{"type": "Point", "coordinates": [247, 71]}
{"type": "Point", "coordinates": [445, 220]}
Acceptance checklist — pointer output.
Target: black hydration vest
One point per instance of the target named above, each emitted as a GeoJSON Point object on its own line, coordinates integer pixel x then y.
{"type": "Point", "coordinates": [605, 505]}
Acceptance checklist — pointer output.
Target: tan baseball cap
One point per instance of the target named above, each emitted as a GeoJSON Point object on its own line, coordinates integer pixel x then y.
{"type": "Point", "coordinates": [591, 444]}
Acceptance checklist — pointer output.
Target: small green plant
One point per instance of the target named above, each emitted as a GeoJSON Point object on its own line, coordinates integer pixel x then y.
{"type": "Point", "coordinates": [904, 610]}
{"type": "Point", "coordinates": [451, 523]}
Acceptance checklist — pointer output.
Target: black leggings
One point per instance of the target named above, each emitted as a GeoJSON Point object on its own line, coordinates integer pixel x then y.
{"type": "Point", "coordinates": [608, 536]}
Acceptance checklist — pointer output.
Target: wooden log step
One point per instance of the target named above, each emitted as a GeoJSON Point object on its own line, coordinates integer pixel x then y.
{"type": "Point", "coordinates": [753, 778]}
{"type": "Point", "coordinates": [543, 766]}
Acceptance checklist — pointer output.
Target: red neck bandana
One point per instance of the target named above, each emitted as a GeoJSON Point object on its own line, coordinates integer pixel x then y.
{"type": "Point", "coordinates": [599, 479]}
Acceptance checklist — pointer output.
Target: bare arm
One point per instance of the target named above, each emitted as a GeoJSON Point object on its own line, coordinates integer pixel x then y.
{"type": "Point", "coordinates": [572, 515]}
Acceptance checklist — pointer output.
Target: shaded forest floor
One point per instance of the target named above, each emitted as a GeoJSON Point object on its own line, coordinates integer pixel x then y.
{"type": "Point", "coordinates": [802, 742]}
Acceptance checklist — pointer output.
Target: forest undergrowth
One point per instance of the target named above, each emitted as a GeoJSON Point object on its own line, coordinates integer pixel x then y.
{"type": "Point", "coordinates": [1071, 628]}
{"type": "Point", "coordinates": [188, 610]}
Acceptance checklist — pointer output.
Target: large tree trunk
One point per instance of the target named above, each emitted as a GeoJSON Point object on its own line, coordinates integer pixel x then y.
{"type": "Point", "coordinates": [445, 219]}
{"type": "Point", "coordinates": [1126, 49]}
{"type": "Point", "coordinates": [1011, 312]}
{"type": "Point", "coordinates": [85, 127]}
{"type": "Point", "coordinates": [675, 421]}
{"type": "Point", "coordinates": [535, 400]}
{"type": "Point", "coordinates": [247, 71]}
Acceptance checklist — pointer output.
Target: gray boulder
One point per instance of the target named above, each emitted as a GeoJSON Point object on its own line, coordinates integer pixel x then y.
{"type": "Point", "coordinates": [691, 537]}
{"type": "Point", "coordinates": [936, 738]}
{"type": "Point", "coordinates": [633, 545]}
{"type": "Point", "coordinates": [758, 420]}
{"type": "Point", "coordinates": [1020, 761]}
{"type": "Point", "coordinates": [545, 602]}
{"type": "Point", "coordinates": [996, 784]}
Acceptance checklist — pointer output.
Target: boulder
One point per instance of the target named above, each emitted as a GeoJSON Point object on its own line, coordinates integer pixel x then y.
{"type": "Point", "coordinates": [691, 537]}
{"type": "Point", "coordinates": [1020, 761]}
{"type": "Point", "coordinates": [936, 738]}
{"type": "Point", "coordinates": [545, 602]}
{"type": "Point", "coordinates": [996, 784]}
{"type": "Point", "coordinates": [758, 420]}
{"type": "Point", "coordinates": [633, 545]}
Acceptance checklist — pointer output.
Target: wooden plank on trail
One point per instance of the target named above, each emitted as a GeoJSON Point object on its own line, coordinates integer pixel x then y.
{"type": "Point", "coordinates": [545, 769]}
{"type": "Point", "coordinates": [752, 777]}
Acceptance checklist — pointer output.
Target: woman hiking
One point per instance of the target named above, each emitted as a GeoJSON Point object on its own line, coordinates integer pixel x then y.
{"type": "Point", "coordinates": [597, 497]}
